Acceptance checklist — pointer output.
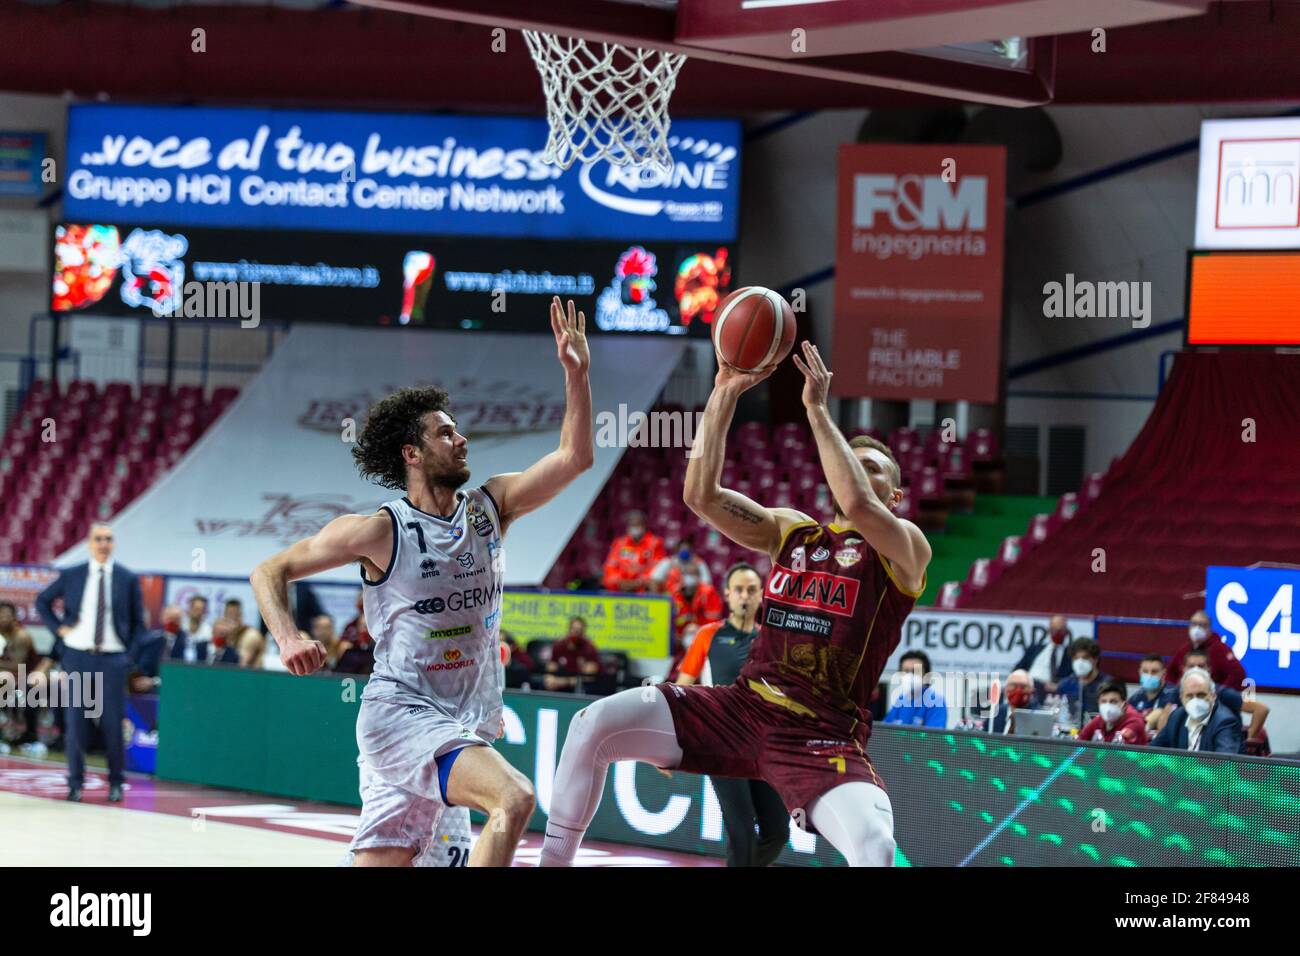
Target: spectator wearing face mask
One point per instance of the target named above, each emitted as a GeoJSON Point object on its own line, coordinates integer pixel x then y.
{"type": "Point", "coordinates": [916, 704]}
{"type": "Point", "coordinates": [1155, 699]}
{"type": "Point", "coordinates": [1202, 722]}
{"type": "Point", "coordinates": [1117, 722]}
{"type": "Point", "coordinates": [682, 569]}
{"type": "Point", "coordinates": [1243, 705]}
{"type": "Point", "coordinates": [1048, 660]}
{"type": "Point", "coordinates": [1081, 687]}
{"type": "Point", "coordinates": [1019, 694]}
{"type": "Point", "coordinates": [632, 557]}
{"type": "Point", "coordinates": [1224, 667]}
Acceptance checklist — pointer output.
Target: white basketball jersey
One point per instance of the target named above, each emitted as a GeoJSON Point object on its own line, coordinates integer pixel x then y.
{"type": "Point", "coordinates": [435, 615]}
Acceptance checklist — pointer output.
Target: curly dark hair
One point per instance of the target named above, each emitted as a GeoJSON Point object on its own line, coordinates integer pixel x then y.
{"type": "Point", "coordinates": [391, 423]}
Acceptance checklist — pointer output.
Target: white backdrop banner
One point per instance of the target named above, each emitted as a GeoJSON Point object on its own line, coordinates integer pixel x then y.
{"type": "Point", "coordinates": [275, 467]}
{"type": "Point", "coordinates": [968, 641]}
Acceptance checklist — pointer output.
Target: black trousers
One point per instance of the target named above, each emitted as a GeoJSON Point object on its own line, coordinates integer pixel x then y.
{"type": "Point", "coordinates": [103, 695]}
{"type": "Point", "coordinates": [745, 803]}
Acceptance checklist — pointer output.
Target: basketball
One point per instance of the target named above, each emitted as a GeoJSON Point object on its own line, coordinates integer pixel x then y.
{"type": "Point", "coordinates": [754, 328]}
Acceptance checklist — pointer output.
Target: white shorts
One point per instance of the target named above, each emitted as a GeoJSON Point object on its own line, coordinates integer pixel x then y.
{"type": "Point", "coordinates": [402, 798]}
{"type": "Point", "coordinates": [451, 843]}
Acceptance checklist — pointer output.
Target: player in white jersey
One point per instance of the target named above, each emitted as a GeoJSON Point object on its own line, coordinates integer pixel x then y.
{"type": "Point", "coordinates": [432, 585]}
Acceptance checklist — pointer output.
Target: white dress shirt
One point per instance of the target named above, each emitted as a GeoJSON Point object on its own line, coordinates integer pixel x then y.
{"type": "Point", "coordinates": [82, 635]}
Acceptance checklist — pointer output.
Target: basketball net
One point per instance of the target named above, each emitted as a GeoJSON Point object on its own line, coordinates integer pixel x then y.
{"type": "Point", "coordinates": [605, 100]}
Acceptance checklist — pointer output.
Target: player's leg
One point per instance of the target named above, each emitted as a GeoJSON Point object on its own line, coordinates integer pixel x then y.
{"type": "Point", "coordinates": [737, 807]}
{"type": "Point", "coordinates": [858, 820]}
{"type": "Point", "coordinates": [481, 778]}
{"type": "Point", "coordinates": [635, 724]}
{"type": "Point", "coordinates": [773, 823]}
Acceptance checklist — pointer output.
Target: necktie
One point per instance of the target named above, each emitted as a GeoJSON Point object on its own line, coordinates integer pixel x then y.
{"type": "Point", "coordinates": [99, 614]}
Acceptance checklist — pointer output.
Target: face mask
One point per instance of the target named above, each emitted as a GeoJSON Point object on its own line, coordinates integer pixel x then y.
{"type": "Point", "coordinates": [1058, 637]}
{"type": "Point", "coordinates": [172, 627]}
{"type": "Point", "coordinates": [909, 683]}
{"type": "Point", "coordinates": [1111, 712]}
{"type": "Point", "coordinates": [683, 555]}
{"type": "Point", "coordinates": [1017, 696]}
{"type": "Point", "coordinates": [1082, 666]}
{"type": "Point", "coordinates": [1197, 708]}
{"type": "Point", "coordinates": [1197, 633]}
{"type": "Point", "coordinates": [635, 533]}
{"type": "Point", "coordinates": [1151, 682]}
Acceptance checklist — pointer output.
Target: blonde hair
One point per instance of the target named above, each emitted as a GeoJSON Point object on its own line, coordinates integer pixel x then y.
{"type": "Point", "coordinates": [866, 441]}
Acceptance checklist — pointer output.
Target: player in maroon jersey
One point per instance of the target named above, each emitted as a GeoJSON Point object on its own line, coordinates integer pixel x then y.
{"type": "Point", "coordinates": [832, 613]}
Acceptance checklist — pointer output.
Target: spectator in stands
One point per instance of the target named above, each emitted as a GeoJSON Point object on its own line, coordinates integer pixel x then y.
{"type": "Point", "coordinates": [694, 605]}
{"type": "Point", "coordinates": [145, 677]}
{"type": "Point", "coordinates": [20, 659]}
{"type": "Point", "coordinates": [1048, 660]}
{"type": "Point", "coordinates": [520, 665]}
{"type": "Point", "coordinates": [572, 658]}
{"type": "Point", "coordinates": [1117, 723]}
{"type": "Point", "coordinates": [918, 702]}
{"type": "Point", "coordinates": [1241, 704]}
{"type": "Point", "coordinates": [322, 631]}
{"type": "Point", "coordinates": [1021, 694]}
{"type": "Point", "coordinates": [1081, 687]}
{"type": "Point", "coordinates": [1155, 699]}
{"type": "Point", "coordinates": [632, 557]}
{"type": "Point", "coordinates": [356, 647]}
{"type": "Point", "coordinates": [683, 568]}
{"type": "Point", "coordinates": [1224, 666]}
{"type": "Point", "coordinates": [197, 627]}
{"type": "Point", "coordinates": [1202, 722]}
{"type": "Point", "coordinates": [221, 649]}
{"type": "Point", "coordinates": [249, 642]}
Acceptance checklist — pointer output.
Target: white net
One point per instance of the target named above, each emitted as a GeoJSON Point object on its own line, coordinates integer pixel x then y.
{"type": "Point", "coordinates": [605, 101]}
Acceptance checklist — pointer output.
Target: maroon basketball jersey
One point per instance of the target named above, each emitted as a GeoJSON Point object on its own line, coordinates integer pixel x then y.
{"type": "Point", "coordinates": [832, 614]}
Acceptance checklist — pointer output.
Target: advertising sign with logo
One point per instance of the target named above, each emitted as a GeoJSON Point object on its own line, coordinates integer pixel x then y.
{"type": "Point", "coordinates": [918, 272]}
{"type": "Point", "coordinates": [1248, 188]}
{"type": "Point", "coordinates": [386, 173]}
{"type": "Point", "coordinates": [21, 155]}
{"type": "Point", "coordinates": [976, 642]}
{"type": "Point", "coordinates": [431, 282]}
{"type": "Point", "coordinates": [1251, 608]}
{"type": "Point", "coordinates": [636, 625]}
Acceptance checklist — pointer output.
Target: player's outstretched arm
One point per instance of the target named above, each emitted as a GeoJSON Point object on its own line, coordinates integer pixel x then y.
{"type": "Point", "coordinates": [520, 492]}
{"type": "Point", "coordinates": [742, 520]}
{"type": "Point", "coordinates": [344, 540]}
{"type": "Point", "coordinates": [898, 539]}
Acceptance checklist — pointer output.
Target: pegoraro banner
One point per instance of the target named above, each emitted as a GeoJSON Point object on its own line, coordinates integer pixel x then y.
{"type": "Point", "coordinates": [918, 272]}
{"type": "Point", "coordinates": [387, 173]}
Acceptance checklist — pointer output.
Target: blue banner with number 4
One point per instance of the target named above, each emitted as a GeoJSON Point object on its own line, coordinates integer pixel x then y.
{"type": "Point", "coordinates": [1251, 608]}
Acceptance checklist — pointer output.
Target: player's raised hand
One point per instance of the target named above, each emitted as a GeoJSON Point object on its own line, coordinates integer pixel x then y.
{"type": "Point", "coordinates": [300, 656]}
{"type": "Point", "coordinates": [570, 330]}
{"type": "Point", "coordinates": [816, 376]}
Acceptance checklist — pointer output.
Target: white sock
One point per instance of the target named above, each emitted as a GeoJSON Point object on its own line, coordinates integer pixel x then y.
{"type": "Point", "coordinates": [560, 847]}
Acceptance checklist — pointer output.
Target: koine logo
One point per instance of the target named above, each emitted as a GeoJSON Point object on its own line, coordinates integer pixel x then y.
{"type": "Point", "coordinates": [920, 202]}
{"type": "Point", "coordinates": [700, 166]}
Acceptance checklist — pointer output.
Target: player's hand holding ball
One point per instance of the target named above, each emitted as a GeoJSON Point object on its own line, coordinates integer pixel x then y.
{"type": "Point", "coordinates": [753, 331]}
{"type": "Point", "coordinates": [570, 336]}
{"type": "Point", "coordinates": [300, 655]}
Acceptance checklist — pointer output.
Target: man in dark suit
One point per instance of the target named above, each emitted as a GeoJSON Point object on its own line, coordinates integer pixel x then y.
{"type": "Point", "coordinates": [1202, 722]}
{"type": "Point", "coordinates": [95, 642]}
{"type": "Point", "coordinates": [1048, 659]}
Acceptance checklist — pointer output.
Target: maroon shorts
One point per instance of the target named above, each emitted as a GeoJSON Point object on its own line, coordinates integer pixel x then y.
{"type": "Point", "coordinates": [733, 732]}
